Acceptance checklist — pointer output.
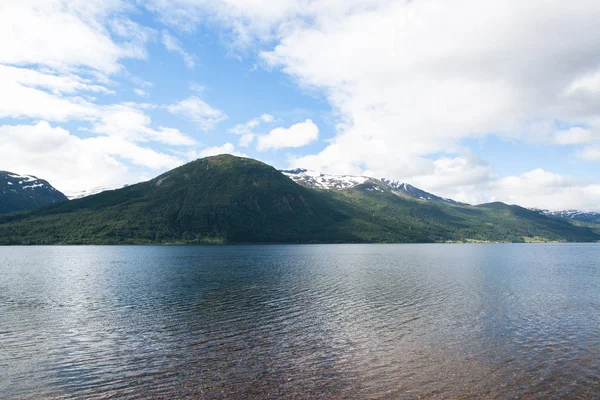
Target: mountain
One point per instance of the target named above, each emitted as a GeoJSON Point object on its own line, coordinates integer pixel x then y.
{"type": "Point", "coordinates": [227, 199]}
{"type": "Point", "coordinates": [24, 192]}
{"type": "Point", "coordinates": [574, 215]}
{"type": "Point", "coordinates": [319, 180]}
{"type": "Point", "coordinates": [88, 192]}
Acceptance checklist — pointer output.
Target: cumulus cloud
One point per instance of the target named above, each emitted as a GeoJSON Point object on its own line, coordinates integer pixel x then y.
{"type": "Point", "coordinates": [426, 76]}
{"type": "Point", "coordinates": [540, 188]}
{"type": "Point", "coordinates": [249, 126]}
{"type": "Point", "coordinates": [174, 45]}
{"type": "Point", "coordinates": [536, 188]}
{"type": "Point", "coordinates": [246, 139]}
{"type": "Point", "coordinates": [18, 100]}
{"type": "Point", "coordinates": [247, 129]}
{"type": "Point", "coordinates": [196, 87]}
{"type": "Point", "coordinates": [30, 35]}
{"type": "Point", "coordinates": [575, 135]}
{"type": "Point", "coordinates": [297, 135]}
{"type": "Point", "coordinates": [129, 121]}
{"type": "Point", "coordinates": [197, 111]}
{"type": "Point", "coordinates": [407, 81]}
{"type": "Point", "coordinates": [208, 151]}
{"type": "Point", "coordinates": [57, 84]}
{"type": "Point", "coordinates": [141, 92]}
{"type": "Point", "coordinates": [590, 153]}
{"type": "Point", "coordinates": [412, 79]}
{"type": "Point", "coordinates": [56, 57]}
{"type": "Point", "coordinates": [71, 163]}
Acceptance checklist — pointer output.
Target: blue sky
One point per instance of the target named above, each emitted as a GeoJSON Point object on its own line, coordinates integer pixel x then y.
{"type": "Point", "coordinates": [475, 100]}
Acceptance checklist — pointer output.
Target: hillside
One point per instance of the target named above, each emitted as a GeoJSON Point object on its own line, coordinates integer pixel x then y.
{"type": "Point", "coordinates": [226, 199]}
{"type": "Point", "coordinates": [319, 180]}
{"type": "Point", "coordinates": [25, 192]}
{"type": "Point", "coordinates": [573, 215]}
{"type": "Point", "coordinates": [216, 199]}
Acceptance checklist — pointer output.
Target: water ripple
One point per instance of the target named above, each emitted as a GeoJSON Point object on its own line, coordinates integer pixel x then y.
{"type": "Point", "coordinates": [300, 322]}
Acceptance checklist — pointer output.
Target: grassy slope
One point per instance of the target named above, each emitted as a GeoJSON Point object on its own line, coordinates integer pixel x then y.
{"type": "Point", "coordinates": [226, 199]}
{"type": "Point", "coordinates": [401, 218]}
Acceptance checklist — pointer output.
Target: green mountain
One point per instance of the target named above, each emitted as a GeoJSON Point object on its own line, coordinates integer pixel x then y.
{"type": "Point", "coordinates": [25, 192]}
{"type": "Point", "coordinates": [226, 199]}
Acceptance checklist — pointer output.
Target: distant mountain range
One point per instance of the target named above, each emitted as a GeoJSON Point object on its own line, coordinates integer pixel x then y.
{"type": "Point", "coordinates": [575, 215]}
{"type": "Point", "coordinates": [319, 180]}
{"type": "Point", "coordinates": [227, 199]}
{"type": "Point", "coordinates": [25, 192]}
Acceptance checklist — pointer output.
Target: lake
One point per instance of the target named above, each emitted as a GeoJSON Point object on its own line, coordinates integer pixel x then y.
{"type": "Point", "coordinates": [300, 322]}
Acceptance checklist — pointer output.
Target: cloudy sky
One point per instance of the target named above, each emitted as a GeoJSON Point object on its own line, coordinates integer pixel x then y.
{"type": "Point", "coordinates": [476, 100]}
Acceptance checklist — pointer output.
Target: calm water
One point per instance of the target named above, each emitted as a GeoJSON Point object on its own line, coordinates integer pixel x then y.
{"type": "Point", "coordinates": [331, 321]}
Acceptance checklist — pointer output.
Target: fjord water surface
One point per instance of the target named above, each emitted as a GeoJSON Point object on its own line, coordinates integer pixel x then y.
{"type": "Point", "coordinates": [312, 321]}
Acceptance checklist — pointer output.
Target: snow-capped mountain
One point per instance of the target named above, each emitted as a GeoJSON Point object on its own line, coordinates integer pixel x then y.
{"type": "Point", "coordinates": [318, 180]}
{"type": "Point", "coordinates": [23, 192]}
{"type": "Point", "coordinates": [416, 192]}
{"type": "Point", "coordinates": [340, 182]}
{"type": "Point", "coordinates": [576, 215]}
{"type": "Point", "coordinates": [88, 192]}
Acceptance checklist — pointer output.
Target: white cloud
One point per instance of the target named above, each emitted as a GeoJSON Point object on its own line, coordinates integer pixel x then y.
{"type": "Point", "coordinates": [208, 151]}
{"type": "Point", "coordinates": [539, 188]}
{"type": "Point", "coordinates": [227, 148]}
{"type": "Point", "coordinates": [575, 135]}
{"type": "Point", "coordinates": [70, 163]}
{"type": "Point", "coordinates": [415, 78]}
{"type": "Point", "coordinates": [196, 87]}
{"type": "Point", "coordinates": [246, 130]}
{"type": "Point", "coordinates": [587, 83]}
{"type": "Point", "coordinates": [297, 135]}
{"type": "Point", "coordinates": [198, 111]}
{"type": "Point", "coordinates": [248, 127]}
{"type": "Point", "coordinates": [172, 44]}
{"type": "Point", "coordinates": [19, 101]}
{"type": "Point", "coordinates": [246, 139]}
{"type": "Point", "coordinates": [590, 153]}
{"type": "Point", "coordinates": [21, 97]}
{"type": "Point", "coordinates": [141, 93]}
{"type": "Point", "coordinates": [464, 171]}
{"type": "Point", "coordinates": [66, 34]}
{"type": "Point", "coordinates": [535, 188]}
{"type": "Point", "coordinates": [247, 18]}
{"type": "Point", "coordinates": [56, 58]}
{"type": "Point", "coordinates": [138, 155]}
{"type": "Point", "coordinates": [471, 180]}
{"type": "Point", "coordinates": [56, 83]}
{"type": "Point", "coordinates": [128, 121]}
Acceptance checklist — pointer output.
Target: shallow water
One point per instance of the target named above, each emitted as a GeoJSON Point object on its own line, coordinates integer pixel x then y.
{"type": "Point", "coordinates": [322, 321]}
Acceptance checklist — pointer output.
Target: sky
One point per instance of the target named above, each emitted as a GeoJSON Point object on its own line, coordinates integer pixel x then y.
{"type": "Point", "coordinates": [474, 100]}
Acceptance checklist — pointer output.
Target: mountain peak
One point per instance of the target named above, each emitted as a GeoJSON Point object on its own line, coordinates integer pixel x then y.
{"type": "Point", "coordinates": [23, 192]}
{"type": "Point", "coordinates": [228, 199]}
{"type": "Point", "coordinates": [576, 215]}
{"type": "Point", "coordinates": [314, 179]}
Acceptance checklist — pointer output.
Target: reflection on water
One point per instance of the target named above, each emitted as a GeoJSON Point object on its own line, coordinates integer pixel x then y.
{"type": "Point", "coordinates": [331, 321]}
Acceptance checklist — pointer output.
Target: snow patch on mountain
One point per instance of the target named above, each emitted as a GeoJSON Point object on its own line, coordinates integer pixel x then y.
{"type": "Point", "coordinates": [88, 192]}
{"type": "Point", "coordinates": [340, 182]}
{"type": "Point", "coordinates": [318, 180]}
{"type": "Point", "coordinates": [577, 215]}
{"type": "Point", "coordinates": [21, 182]}
{"type": "Point", "coordinates": [23, 192]}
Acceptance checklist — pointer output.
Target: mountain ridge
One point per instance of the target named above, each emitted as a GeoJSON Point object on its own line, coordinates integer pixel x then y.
{"type": "Point", "coordinates": [228, 199]}
{"type": "Point", "coordinates": [319, 180]}
{"type": "Point", "coordinates": [572, 214]}
{"type": "Point", "coordinates": [25, 192]}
